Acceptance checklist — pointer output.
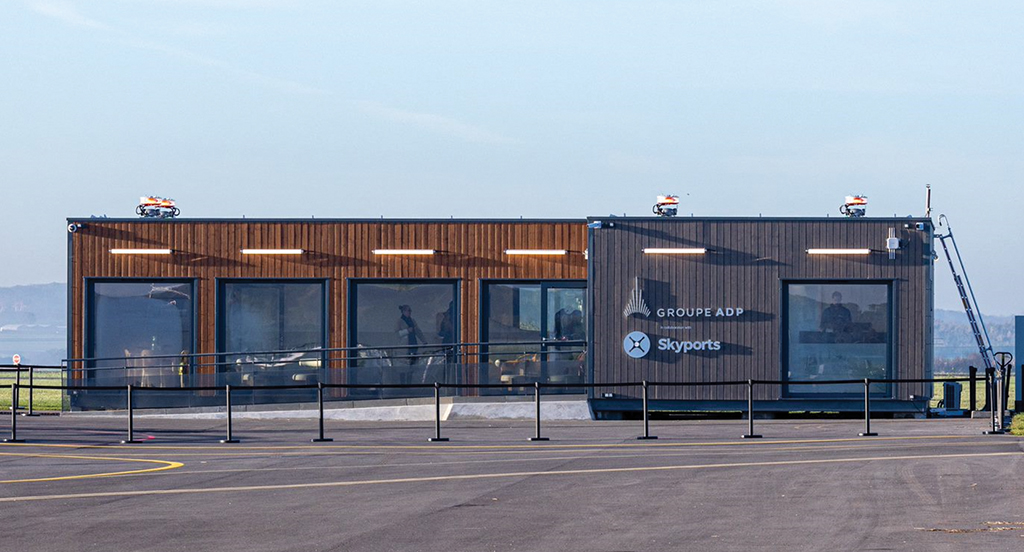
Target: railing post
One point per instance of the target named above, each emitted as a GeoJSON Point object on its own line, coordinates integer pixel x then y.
{"type": "Point", "coordinates": [647, 422]}
{"type": "Point", "coordinates": [17, 380]}
{"type": "Point", "coordinates": [437, 415]}
{"type": "Point", "coordinates": [989, 377]}
{"type": "Point", "coordinates": [536, 394]}
{"type": "Point", "coordinates": [750, 411]}
{"type": "Point", "coordinates": [31, 389]}
{"type": "Point", "coordinates": [227, 402]}
{"type": "Point", "coordinates": [993, 402]}
{"type": "Point", "coordinates": [320, 408]}
{"type": "Point", "coordinates": [131, 419]}
{"type": "Point", "coordinates": [973, 392]}
{"type": "Point", "coordinates": [14, 416]}
{"type": "Point", "coordinates": [867, 409]}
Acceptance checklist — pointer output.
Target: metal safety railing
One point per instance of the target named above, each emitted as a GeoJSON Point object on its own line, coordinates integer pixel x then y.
{"type": "Point", "coordinates": [645, 387]}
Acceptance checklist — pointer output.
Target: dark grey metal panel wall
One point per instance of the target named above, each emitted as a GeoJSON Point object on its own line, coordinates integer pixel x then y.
{"type": "Point", "coordinates": [747, 262]}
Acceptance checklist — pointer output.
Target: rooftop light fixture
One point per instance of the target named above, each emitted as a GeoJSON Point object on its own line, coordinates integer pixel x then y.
{"type": "Point", "coordinates": [140, 251]}
{"type": "Point", "coordinates": [675, 250]}
{"type": "Point", "coordinates": [535, 251]}
{"type": "Point", "coordinates": [404, 251]}
{"type": "Point", "coordinates": [273, 251]}
{"type": "Point", "coordinates": [838, 251]}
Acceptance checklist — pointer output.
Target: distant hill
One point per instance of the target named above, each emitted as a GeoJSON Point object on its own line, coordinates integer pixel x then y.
{"type": "Point", "coordinates": [33, 322]}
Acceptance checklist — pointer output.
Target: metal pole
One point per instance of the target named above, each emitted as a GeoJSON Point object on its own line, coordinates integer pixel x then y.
{"type": "Point", "coordinates": [227, 402]}
{"type": "Point", "coordinates": [14, 416]}
{"type": "Point", "coordinates": [989, 375]}
{"type": "Point", "coordinates": [647, 424]}
{"type": "Point", "coordinates": [973, 392]}
{"type": "Point", "coordinates": [31, 389]}
{"type": "Point", "coordinates": [750, 411]}
{"type": "Point", "coordinates": [131, 419]}
{"type": "Point", "coordinates": [17, 380]}
{"type": "Point", "coordinates": [536, 393]}
{"type": "Point", "coordinates": [993, 402]}
{"type": "Point", "coordinates": [320, 407]}
{"type": "Point", "coordinates": [437, 415]}
{"type": "Point", "coordinates": [867, 409]}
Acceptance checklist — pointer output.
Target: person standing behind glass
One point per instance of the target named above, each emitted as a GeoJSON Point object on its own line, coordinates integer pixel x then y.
{"type": "Point", "coordinates": [408, 330]}
{"type": "Point", "coordinates": [836, 318]}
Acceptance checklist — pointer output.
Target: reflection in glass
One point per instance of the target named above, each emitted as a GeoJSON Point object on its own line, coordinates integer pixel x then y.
{"type": "Point", "coordinates": [837, 331]}
{"type": "Point", "coordinates": [272, 326]}
{"type": "Point", "coordinates": [137, 323]}
{"type": "Point", "coordinates": [404, 331]}
{"type": "Point", "coordinates": [525, 322]}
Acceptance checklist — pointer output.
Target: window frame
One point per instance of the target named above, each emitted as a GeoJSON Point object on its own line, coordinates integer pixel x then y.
{"type": "Point", "coordinates": [545, 285]}
{"type": "Point", "coordinates": [352, 283]}
{"type": "Point", "coordinates": [88, 325]}
{"type": "Point", "coordinates": [219, 310]}
{"type": "Point", "coordinates": [891, 341]}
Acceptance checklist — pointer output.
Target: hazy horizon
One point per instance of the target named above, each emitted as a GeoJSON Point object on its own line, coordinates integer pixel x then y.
{"type": "Point", "coordinates": [476, 109]}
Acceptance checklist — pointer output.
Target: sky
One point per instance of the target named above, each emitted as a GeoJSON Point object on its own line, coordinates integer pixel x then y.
{"type": "Point", "coordinates": [411, 109]}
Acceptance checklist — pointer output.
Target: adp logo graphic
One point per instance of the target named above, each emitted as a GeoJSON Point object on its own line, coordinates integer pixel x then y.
{"type": "Point", "coordinates": [636, 344]}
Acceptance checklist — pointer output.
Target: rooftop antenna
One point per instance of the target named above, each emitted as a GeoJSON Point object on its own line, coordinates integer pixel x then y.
{"type": "Point", "coordinates": [856, 206]}
{"type": "Point", "coordinates": [666, 206]}
{"type": "Point", "coordinates": [928, 201]}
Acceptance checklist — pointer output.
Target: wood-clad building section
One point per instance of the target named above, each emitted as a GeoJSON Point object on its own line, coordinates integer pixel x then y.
{"type": "Point", "coordinates": [336, 251]}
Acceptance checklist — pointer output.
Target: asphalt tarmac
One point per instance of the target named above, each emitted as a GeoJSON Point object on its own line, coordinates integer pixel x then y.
{"type": "Point", "coordinates": [807, 485]}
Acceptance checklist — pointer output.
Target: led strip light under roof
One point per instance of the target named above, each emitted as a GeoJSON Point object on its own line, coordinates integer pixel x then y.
{"type": "Point", "coordinates": [838, 251]}
{"type": "Point", "coordinates": [675, 250]}
{"type": "Point", "coordinates": [403, 251]}
{"type": "Point", "coordinates": [535, 251]}
{"type": "Point", "coordinates": [140, 251]}
{"type": "Point", "coordinates": [273, 251]}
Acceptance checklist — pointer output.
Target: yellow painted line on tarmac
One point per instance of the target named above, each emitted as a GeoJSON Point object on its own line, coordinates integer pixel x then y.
{"type": "Point", "coordinates": [465, 477]}
{"type": "Point", "coordinates": [547, 446]}
{"type": "Point", "coordinates": [166, 466]}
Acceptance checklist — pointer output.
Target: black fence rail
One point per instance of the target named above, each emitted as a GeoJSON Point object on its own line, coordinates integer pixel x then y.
{"type": "Point", "coordinates": [263, 377]}
{"type": "Point", "coordinates": [436, 387]}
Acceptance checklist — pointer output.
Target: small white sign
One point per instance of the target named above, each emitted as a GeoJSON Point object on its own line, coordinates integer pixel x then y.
{"type": "Point", "coordinates": [16, 359]}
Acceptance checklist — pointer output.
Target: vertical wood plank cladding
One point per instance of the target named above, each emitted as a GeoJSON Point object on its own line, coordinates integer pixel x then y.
{"type": "Point", "coordinates": [749, 261]}
{"type": "Point", "coordinates": [337, 251]}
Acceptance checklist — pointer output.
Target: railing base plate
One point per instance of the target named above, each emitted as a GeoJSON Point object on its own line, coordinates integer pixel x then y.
{"type": "Point", "coordinates": [752, 436]}
{"type": "Point", "coordinates": [229, 441]}
{"type": "Point", "coordinates": [866, 434]}
{"type": "Point", "coordinates": [437, 439]}
{"type": "Point", "coordinates": [646, 437]}
{"type": "Point", "coordinates": [539, 439]}
{"type": "Point", "coordinates": [324, 440]}
{"type": "Point", "coordinates": [14, 440]}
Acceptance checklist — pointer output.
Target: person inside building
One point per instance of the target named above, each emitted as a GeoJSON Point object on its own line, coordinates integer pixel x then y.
{"type": "Point", "coordinates": [836, 318]}
{"type": "Point", "coordinates": [446, 324]}
{"type": "Point", "coordinates": [409, 332]}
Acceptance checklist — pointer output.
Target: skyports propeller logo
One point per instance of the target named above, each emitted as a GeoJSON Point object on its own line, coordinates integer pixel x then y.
{"type": "Point", "coordinates": [636, 304]}
{"type": "Point", "coordinates": [636, 344]}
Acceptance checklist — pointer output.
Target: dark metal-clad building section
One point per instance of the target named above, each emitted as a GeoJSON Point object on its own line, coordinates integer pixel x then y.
{"type": "Point", "coordinates": [748, 264]}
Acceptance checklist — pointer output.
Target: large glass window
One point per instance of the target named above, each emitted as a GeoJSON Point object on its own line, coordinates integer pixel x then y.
{"type": "Point", "coordinates": [837, 331]}
{"type": "Point", "coordinates": [270, 328]}
{"type": "Point", "coordinates": [141, 330]}
{"type": "Point", "coordinates": [536, 332]}
{"type": "Point", "coordinates": [406, 328]}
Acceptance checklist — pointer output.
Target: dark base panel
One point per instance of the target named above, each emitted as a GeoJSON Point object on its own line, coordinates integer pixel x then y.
{"type": "Point", "coordinates": [612, 409]}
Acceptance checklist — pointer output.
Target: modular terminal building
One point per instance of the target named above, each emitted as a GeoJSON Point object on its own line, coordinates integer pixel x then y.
{"type": "Point", "coordinates": [171, 303]}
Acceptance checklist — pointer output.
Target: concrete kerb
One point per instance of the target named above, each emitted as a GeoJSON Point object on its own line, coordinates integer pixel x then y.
{"type": "Point", "coordinates": [574, 408]}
